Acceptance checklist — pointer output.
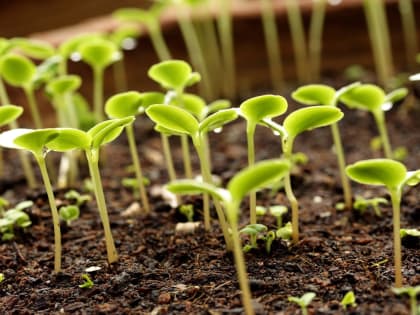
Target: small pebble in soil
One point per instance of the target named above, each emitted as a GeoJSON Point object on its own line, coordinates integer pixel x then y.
{"type": "Point", "coordinates": [164, 298]}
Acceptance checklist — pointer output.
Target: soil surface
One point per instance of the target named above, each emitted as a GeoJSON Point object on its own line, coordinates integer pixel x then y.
{"type": "Point", "coordinates": [162, 271]}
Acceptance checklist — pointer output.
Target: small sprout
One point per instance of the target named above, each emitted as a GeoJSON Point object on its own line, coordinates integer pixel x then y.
{"type": "Point", "coordinates": [69, 213]}
{"type": "Point", "coordinates": [9, 113]}
{"type": "Point", "coordinates": [260, 210]}
{"type": "Point", "coordinates": [187, 211]}
{"type": "Point", "coordinates": [33, 48]}
{"type": "Point", "coordinates": [278, 212]}
{"type": "Point", "coordinates": [253, 230]}
{"type": "Point", "coordinates": [4, 203]}
{"type": "Point", "coordinates": [361, 204]}
{"type": "Point", "coordinates": [76, 196]}
{"type": "Point", "coordinates": [1, 277]}
{"type": "Point", "coordinates": [133, 184]}
{"type": "Point", "coordinates": [303, 301]}
{"type": "Point", "coordinates": [87, 283]}
{"type": "Point", "coordinates": [394, 176]}
{"type": "Point", "coordinates": [412, 292]}
{"type": "Point", "coordinates": [15, 217]}
{"type": "Point", "coordinates": [349, 299]}
{"type": "Point", "coordinates": [400, 153]}
{"type": "Point", "coordinates": [285, 232]}
{"type": "Point", "coordinates": [269, 238]}
{"type": "Point", "coordinates": [173, 74]}
{"type": "Point", "coordinates": [409, 232]}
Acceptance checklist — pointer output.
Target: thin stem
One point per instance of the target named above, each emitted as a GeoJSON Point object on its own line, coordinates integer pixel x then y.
{"type": "Point", "coordinates": [23, 155]}
{"type": "Point", "coordinates": [33, 106]}
{"type": "Point", "coordinates": [186, 156]}
{"type": "Point", "coordinates": [409, 30]}
{"type": "Point", "coordinates": [339, 151]}
{"type": "Point", "coordinates": [137, 167]}
{"type": "Point", "coordinates": [315, 38]}
{"type": "Point", "coordinates": [169, 161]}
{"type": "Point", "coordinates": [240, 262]}
{"type": "Point", "coordinates": [272, 44]}
{"type": "Point", "coordinates": [396, 200]}
{"type": "Point", "coordinates": [93, 159]}
{"type": "Point", "coordinates": [250, 130]}
{"type": "Point", "coordinates": [413, 304]}
{"type": "Point", "coordinates": [158, 42]}
{"type": "Point", "coordinates": [54, 212]}
{"type": "Point", "coordinates": [98, 88]}
{"type": "Point", "coordinates": [120, 77]}
{"type": "Point", "coordinates": [298, 38]}
{"type": "Point", "coordinates": [224, 24]}
{"type": "Point", "coordinates": [383, 133]}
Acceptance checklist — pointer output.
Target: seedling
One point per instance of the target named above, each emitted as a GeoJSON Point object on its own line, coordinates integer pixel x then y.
{"type": "Point", "coordinates": [99, 53]}
{"type": "Point", "coordinates": [87, 283]}
{"type": "Point", "coordinates": [175, 76]}
{"type": "Point", "coordinates": [303, 301]}
{"type": "Point", "coordinates": [373, 99]}
{"type": "Point", "coordinates": [301, 120]}
{"type": "Point", "coordinates": [361, 204]}
{"type": "Point", "coordinates": [252, 230]}
{"type": "Point", "coordinates": [412, 292]}
{"type": "Point", "coordinates": [409, 232]}
{"type": "Point", "coordinates": [269, 238]}
{"type": "Point", "coordinates": [69, 213]}
{"type": "Point", "coordinates": [3, 205]}
{"type": "Point", "coordinates": [179, 121]}
{"type": "Point", "coordinates": [349, 299]}
{"type": "Point", "coordinates": [73, 195]}
{"type": "Point", "coordinates": [394, 176]}
{"type": "Point", "coordinates": [278, 212]}
{"type": "Point", "coordinates": [124, 105]}
{"type": "Point", "coordinates": [14, 217]}
{"type": "Point", "coordinates": [254, 110]}
{"type": "Point", "coordinates": [285, 232]}
{"type": "Point", "coordinates": [33, 48]}
{"type": "Point", "coordinates": [318, 94]}
{"type": "Point", "coordinates": [187, 211]}
{"type": "Point", "coordinates": [249, 179]}
{"type": "Point", "coordinates": [1, 277]}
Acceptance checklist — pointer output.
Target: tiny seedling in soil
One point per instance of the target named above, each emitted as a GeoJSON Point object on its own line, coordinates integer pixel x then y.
{"type": "Point", "coordinates": [409, 232]}
{"type": "Point", "coordinates": [14, 217]}
{"type": "Point", "coordinates": [278, 212]}
{"type": "Point", "coordinates": [349, 299]}
{"type": "Point", "coordinates": [361, 204]}
{"type": "Point", "coordinates": [252, 230]}
{"type": "Point", "coordinates": [87, 283]}
{"type": "Point", "coordinates": [303, 301]}
{"type": "Point", "coordinates": [187, 211]}
{"type": "Point", "coordinates": [69, 213]}
{"type": "Point", "coordinates": [394, 176]}
{"type": "Point", "coordinates": [80, 199]}
{"type": "Point", "coordinates": [247, 180]}
{"type": "Point", "coordinates": [412, 292]}
{"type": "Point", "coordinates": [285, 232]}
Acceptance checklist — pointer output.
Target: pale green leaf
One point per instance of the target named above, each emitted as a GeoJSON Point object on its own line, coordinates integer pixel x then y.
{"type": "Point", "coordinates": [264, 106]}
{"type": "Point", "coordinates": [99, 53]}
{"type": "Point", "coordinates": [192, 103]}
{"type": "Point", "coordinates": [17, 70]}
{"type": "Point", "coordinates": [124, 104]}
{"type": "Point", "coordinates": [108, 130]}
{"type": "Point", "coordinates": [366, 97]}
{"type": "Point", "coordinates": [218, 119]}
{"type": "Point", "coordinates": [69, 139]}
{"type": "Point", "coordinates": [63, 84]}
{"type": "Point", "coordinates": [314, 94]}
{"type": "Point", "coordinates": [171, 74]}
{"type": "Point", "coordinates": [193, 187]}
{"type": "Point", "coordinates": [33, 48]}
{"type": "Point", "coordinates": [396, 95]}
{"type": "Point", "coordinates": [36, 140]}
{"type": "Point", "coordinates": [9, 113]}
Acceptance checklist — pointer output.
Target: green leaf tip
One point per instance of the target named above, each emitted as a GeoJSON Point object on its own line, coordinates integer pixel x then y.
{"type": "Point", "coordinates": [124, 104]}
{"type": "Point", "coordinates": [17, 70]}
{"type": "Point", "coordinates": [173, 74]}
{"type": "Point", "coordinates": [309, 118]}
{"type": "Point", "coordinates": [9, 113]}
{"type": "Point", "coordinates": [36, 140]}
{"type": "Point", "coordinates": [63, 84]}
{"type": "Point", "coordinates": [218, 119]}
{"type": "Point", "coordinates": [99, 53]}
{"type": "Point", "coordinates": [314, 94]}
{"type": "Point", "coordinates": [385, 172]}
{"type": "Point", "coordinates": [366, 96]}
{"type": "Point", "coordinates": [263, 106]}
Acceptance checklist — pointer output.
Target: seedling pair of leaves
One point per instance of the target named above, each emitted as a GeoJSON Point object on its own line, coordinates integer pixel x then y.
{"type": "Point", "coordinates": [71, 212]}
{"type": "Point", "coordinates": [394, 176]}
{"type": "Point", "coordinates": [412, 292]}
{"type": "Point", "coordinates": [247, 180]}
{"type": "Point", "coordinates": [14, 217]}
{"type": "Point", "coordinates": [39, 142]}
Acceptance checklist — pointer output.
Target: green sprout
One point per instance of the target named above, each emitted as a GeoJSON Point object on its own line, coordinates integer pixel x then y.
{"type": "Point", "coordinates": [349, 299]}
{"type": "Point", "coordinates": [249, 179]}
{"type": "Point", "coordinates": [124, 105]}
{"type": "Point", "coordinates": [69, 213]}
{"type": "Point", "coordinates": [409, 232]}
{"type": "Point", "coordinates": [299, 121]}
{"type": "Point", "coordinates": [303, 301]}
{"type": "Point", "coordinates": [285, 232]}
{"type": "Point", "coordinates": [4, 203]}
{"type": "Point", "coordinates": [187, 211]}
{"type": "Point", "coordinates": [278, 212]}
{"type": "Point", "coordinates": [87, 283]}
{"type": "Point", "coordinates": [99, 53]}
{"type": "Point", "coordinates": [373, 99]}
{"type": "Point", "coordinates": [14, 217]}
{"type": "Point", "coordinates": [1, 277]}
{"type": "Point", "coordinates": [254, 110]}
{"type": "Point", "coordinates": [180, 121]}
{"type": "Point", "coordinates": [361, 204]}
{"type": "Point", "coordinates": [252, 230]}
{"type": "Point", "coordinates": [175, 76]}
{"type": "Point", "coordinates": [319, 94]}
{"type": "Point", "coordinates": [269, 238]}
{"type": "Point", "coordinates": [394, 176]}
{"type": "Point", "coordinates": [32, 48]}
{"type": "Point", "coordinates": [77, 197]}
{"type": "Point", "coordinates": [412, 292]}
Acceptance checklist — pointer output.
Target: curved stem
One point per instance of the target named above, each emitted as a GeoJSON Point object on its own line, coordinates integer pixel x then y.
{"type": "Point", "coordinates": [383, 133]}
{"type": "Point", "coordinates": [33, 106]}
{"type": "Point", "coordinates": [93, 159]}
{"type": "Point", "coordinates": [345, 183]}
{"type": "Point", "coordinates": [98, 88]}
{"type": "Point", "coordinates": [137, 167]}
{"type": "Point", "coordinates": [396, 200]}
{"type": "Point", "coordinates": [54, 213]}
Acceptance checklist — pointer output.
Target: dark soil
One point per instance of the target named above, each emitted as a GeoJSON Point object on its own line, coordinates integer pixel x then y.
{"type": "Point", "coordinates": [161, 271]}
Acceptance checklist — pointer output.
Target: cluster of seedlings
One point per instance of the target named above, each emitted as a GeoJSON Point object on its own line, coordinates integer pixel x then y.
{"type": "Point", "coordinates": [177, 113]}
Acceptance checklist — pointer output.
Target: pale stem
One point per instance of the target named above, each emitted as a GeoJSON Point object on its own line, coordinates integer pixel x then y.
{"type": "Point", "coordinates": [251, 160]}
{"type": "Point", "coordinates": [345, 183]}
{"type": "Point", "coordinates": [240, 262]}
{"type": "Point", "coordinates": [120, 77]}
{"type": "Point", "coordinates": [54, 212]}
{"type": "Point", "coordinates": [33, 106]}
{"type": "Point", "coordinates": [383, 133]}
{"type": "Point", "coordinates": [98, 87]}
{"type": "Point", "coordinates": [92, 158]}
{"type": "Point", "coordinates": [186, 156]}
{"type": "Point", "coordinates": [409, 29]}
{"type": "Point", "coordinates": [23, 155]}
{"type": "Point", "coordinates": [272, 44]}
{"type": "Point", "coordinates": [159, 43]}
{"type": "Point", "coordinates": [396, 200]}
{"type": "Point", "coordinates": [315, 38]}
{"type": "Point", "coordinates": [169, 161]}
{"type": "Point", "coordinates": [137, 167]}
